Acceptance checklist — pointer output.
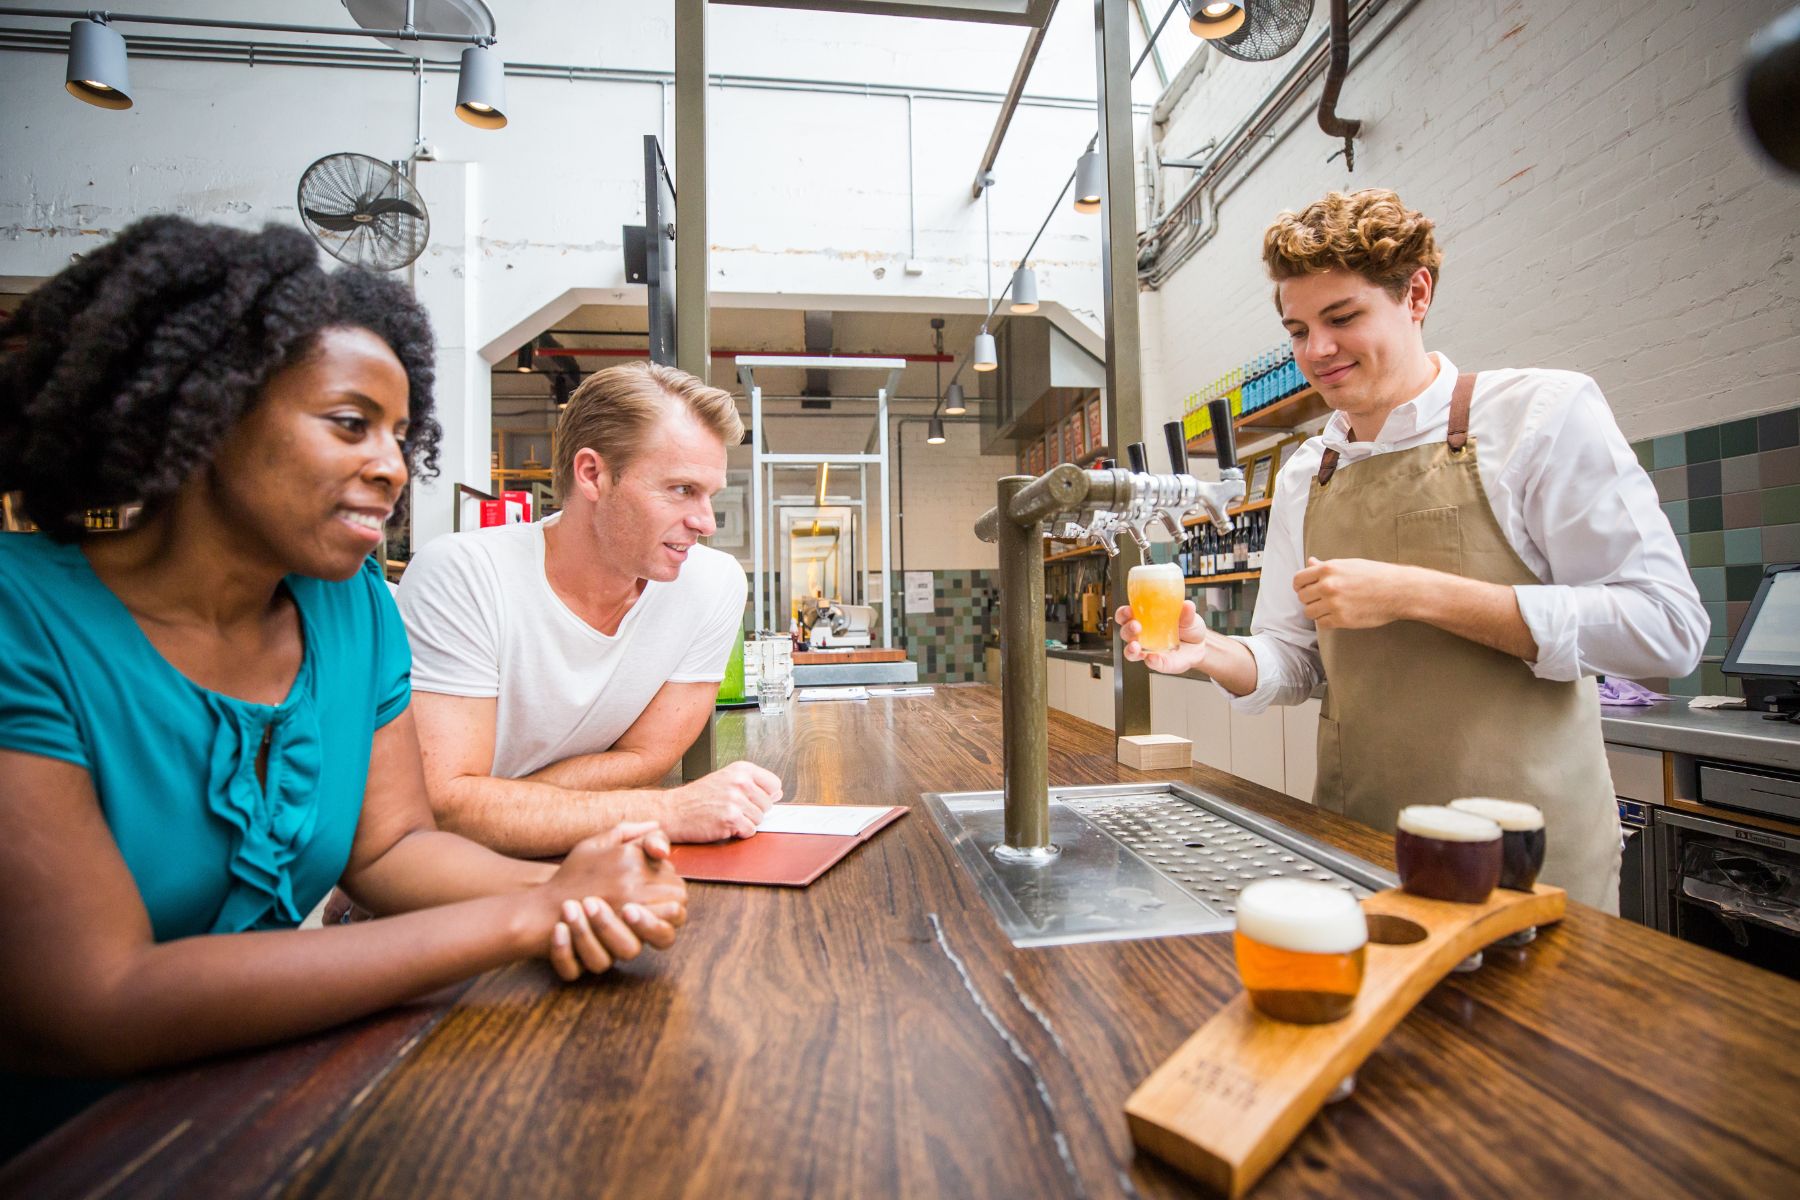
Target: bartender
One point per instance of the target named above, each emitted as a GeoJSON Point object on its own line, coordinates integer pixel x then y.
{"type": "Point", "coordinates": [1456, 556]}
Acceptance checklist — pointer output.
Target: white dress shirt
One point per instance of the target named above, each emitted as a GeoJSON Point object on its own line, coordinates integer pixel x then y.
{"type": "Point", "coordinates": [1571, 498]}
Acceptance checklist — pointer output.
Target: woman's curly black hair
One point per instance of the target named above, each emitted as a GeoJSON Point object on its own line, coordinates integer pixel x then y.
{"type": "Point", "coordinates": [133, 364]}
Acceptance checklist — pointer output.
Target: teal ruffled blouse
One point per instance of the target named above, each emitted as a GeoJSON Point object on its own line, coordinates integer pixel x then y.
{"type": "Point", "coordinates": [174, 765]}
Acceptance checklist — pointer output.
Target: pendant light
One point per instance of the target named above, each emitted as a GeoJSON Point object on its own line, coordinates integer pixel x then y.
{"type": "Point", "coordinates": [97, 66]}
{"type": "Point", "coordinates": [527, 359]}
{"type": "Point", "coordinates": [481, 89]}
{"type": "Point", "coordinates": [1024, 290]}
{"type": "Point", "coordinates": [984, 358]}
{"type": "Point", "coordinates": [954, 403]}
{"type": "Point", "coordinates": [1213, 19]}
{"type": "Point", "coordinates": [934, 433]}
{"type": "Point", "coordinates": [1090, 182]}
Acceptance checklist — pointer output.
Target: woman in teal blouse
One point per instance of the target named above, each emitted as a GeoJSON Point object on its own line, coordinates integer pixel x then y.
{"type": "Point", "coordinates": [203, 719]}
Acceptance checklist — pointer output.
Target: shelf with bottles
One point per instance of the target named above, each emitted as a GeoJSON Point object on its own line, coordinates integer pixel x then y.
{"type": "Point", "coordinates": [1267, 394]}
{"type": "Point", "coordinates": [1250, 507]}
{"type": "Point", "coordinates": [1078, 552]}
{"type": "Point", "coordinates": [1208, 555]}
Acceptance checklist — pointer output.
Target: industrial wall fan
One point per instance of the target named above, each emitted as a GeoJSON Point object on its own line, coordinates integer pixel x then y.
{"type": "Point", "coordinates": [364, 211]}
{"type": "Point", "coordinates": [1271, 28]}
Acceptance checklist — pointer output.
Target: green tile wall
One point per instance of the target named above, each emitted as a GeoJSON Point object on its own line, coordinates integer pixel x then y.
{"type": "Point", "coordinates": [947, 644]}
{"type": "Point", "coordinates": [1732, 495]}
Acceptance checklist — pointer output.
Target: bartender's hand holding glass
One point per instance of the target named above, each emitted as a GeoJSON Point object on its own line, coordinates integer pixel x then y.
{"type": "Point", "coordinates": [611, 896]}
{"type": "Point", "coordinates": [725, 804]}
{"type": "Point", "coordinates": [1189, 653]}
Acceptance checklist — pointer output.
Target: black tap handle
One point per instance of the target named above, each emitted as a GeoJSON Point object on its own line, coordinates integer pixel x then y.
{"type": "Point", "coordinates": [1176, 437]}
{"type": "Point", "coordinates": [1140, 458]}
{"type": "Point", "coordinates": [1226, 451]}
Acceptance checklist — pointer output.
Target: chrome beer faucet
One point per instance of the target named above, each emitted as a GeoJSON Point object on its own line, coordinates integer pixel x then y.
{"type": "Point", "coordinates": [1097, 506]}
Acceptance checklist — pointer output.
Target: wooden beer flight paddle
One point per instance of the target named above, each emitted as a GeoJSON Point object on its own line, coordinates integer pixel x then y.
{"type": "Point", "coordinates": [1227, 1104]}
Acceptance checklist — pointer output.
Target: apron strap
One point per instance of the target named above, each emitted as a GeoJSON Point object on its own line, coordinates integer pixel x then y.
{"type": "Point", "coordinates": [1460, 396]}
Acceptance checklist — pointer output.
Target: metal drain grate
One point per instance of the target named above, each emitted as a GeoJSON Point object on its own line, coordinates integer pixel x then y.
{"type": "Point", "coordinates": [1137, 860]}
{"type": "Point", "coordinates": [1205, 855]}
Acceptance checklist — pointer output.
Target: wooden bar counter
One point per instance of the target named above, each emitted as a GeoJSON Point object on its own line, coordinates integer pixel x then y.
{"type": "Point", "coordinates": [875, 1035]}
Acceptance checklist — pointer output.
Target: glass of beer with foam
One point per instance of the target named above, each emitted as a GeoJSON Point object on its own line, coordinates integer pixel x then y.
{"type": "Point", "coordinates": [1156, 593]}
{"type": "Point", "coordinates": [1300, 947]}
{"type": "Point", "coordinates": [1444, 854]}
{"type": "Point", "coordinates": [1522, 841]}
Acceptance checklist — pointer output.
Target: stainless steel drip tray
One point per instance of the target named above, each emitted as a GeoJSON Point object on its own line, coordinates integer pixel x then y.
{"type": "Point", "coordinates": [1137, 860]}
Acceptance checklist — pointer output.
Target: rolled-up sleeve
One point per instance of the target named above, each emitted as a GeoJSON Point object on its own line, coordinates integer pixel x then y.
{"type": "Point", "coordinates": [1619, 600]}
{"type": "Point", "coordinates": [1282, 640]}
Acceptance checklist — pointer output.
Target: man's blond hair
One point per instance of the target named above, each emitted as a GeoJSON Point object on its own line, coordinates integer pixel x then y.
{"type": "Point", "coordinates": [1370, 233]}
{"type": "Point", "coordinates": [613, 411]}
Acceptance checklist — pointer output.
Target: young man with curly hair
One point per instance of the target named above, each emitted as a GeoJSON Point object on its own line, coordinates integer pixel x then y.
{"type": "Point", "coordinates": [562, 667]}
{"type": "Point", "coordinates": [1456, 556]}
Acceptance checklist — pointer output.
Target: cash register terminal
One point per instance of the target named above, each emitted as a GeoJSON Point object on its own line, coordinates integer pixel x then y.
{"type": "Point", "coordinates": [1765, 654]}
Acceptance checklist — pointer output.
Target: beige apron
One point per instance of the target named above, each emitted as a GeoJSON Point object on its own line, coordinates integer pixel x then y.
{"type": "Point", "coordinates": [1416, 715]}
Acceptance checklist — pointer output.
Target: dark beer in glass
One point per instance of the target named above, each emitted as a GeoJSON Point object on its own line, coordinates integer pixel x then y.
{"type": "Point", "coordinates": [1444, 854]}
{"type": "Point", "coordinates": [1522, 841]}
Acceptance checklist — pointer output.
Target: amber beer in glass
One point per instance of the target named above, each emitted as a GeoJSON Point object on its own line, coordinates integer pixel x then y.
{"type": "Point", "coordinates": [1444, 854]}
{"type": "Point", "coordinates": [1156, 594]}
{"type": "Point", "coordinates": [1522, 841]}
{"type": "Point", "coordinates": [1300, 948]}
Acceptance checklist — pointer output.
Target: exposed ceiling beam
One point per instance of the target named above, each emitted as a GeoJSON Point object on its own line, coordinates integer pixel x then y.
{"type": "Point", "coordinates": [992, 12]}
{"type": "Point", "coordinates": [1027, 59]}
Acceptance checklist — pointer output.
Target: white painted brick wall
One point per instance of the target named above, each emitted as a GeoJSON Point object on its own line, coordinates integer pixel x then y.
{"type": "Point", "coordinates": [1598, 207]}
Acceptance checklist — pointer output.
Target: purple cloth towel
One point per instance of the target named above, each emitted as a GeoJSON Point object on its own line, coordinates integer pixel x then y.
{"type": "Point", "coordinates": [1625, 692]}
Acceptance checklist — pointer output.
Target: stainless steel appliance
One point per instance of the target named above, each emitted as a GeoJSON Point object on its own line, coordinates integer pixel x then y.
{"type": "Point", "coordinates": [1729, 884]}
{"type": "Point", "coordinates": [1637, 865]}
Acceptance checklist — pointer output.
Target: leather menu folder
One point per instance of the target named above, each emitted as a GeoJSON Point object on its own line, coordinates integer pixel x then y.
{"type": "Point", "coordinates": [774, 859]}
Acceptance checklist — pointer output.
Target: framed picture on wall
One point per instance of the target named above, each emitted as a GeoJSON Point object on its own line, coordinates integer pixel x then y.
{"type": "Point", "coordinates": [1076, 437]}
{"type": "Point", "coordinates": [1259, 473]}
{"type": "Point", "coordinates": [1096, 428]}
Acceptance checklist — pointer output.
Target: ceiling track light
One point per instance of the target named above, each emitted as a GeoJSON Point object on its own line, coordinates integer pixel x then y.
{"type": "Point", "coordinates": [985, 358]}
{"type": "Point", "coordinates": [1024, 290]}
{"type": "Point", "coordinates": [934, 433]}
{"type": "Point", "coordinates": [481, 89]}
{"type": "Point", "coordinates": [98, 74]}
{"type": "Point", "coordinates": [1090, 182]}
{"type": "Point", "coordinates": [954, 403]}
{"type": "Point", "coordinates": [1214, 19]}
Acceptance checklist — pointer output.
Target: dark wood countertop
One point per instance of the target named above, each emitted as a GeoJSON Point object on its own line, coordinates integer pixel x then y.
{"type": "Point", "coordinates": [875, 1035]}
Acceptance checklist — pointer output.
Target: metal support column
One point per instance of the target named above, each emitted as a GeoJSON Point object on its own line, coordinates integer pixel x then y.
{"type": "Point", "coordinates": [1023, 701]}
{"type": "Point", "coordinates": [693, 340]}
{"type": "Point", "coordinates": [1118, 274]}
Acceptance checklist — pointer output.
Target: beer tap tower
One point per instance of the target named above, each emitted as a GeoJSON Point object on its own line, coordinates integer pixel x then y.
{"type": "Point", "coordinates": [1096, 506]}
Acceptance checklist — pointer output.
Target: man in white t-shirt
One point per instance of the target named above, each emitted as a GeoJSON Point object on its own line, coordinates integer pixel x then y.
{"type": "Point", "coordinates": [561, 668]}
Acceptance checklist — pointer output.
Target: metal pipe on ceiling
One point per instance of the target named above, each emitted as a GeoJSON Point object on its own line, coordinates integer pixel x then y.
{"type": "Point", "coordinates": [382, 59]}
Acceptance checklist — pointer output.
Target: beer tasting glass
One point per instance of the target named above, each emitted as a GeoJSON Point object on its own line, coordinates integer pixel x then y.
{"type": "Point", "coordinates": [1156, 593]}
{"type": "Point", "coordinates": [1300, 947]}
{"type": "Point", "coordinates": [1444, 854]}
{"type": "Point", "coordinates": [1522, 840]}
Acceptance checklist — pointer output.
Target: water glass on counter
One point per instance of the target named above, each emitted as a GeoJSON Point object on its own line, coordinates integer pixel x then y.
{"type": "Point", "coordinates": [1300, 947]}
{"type": "Point", "coordinates": [774, 673]}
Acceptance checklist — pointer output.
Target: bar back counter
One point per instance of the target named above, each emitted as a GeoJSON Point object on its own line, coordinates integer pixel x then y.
{"type": "Point", "coordinates": [877, 1035]}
